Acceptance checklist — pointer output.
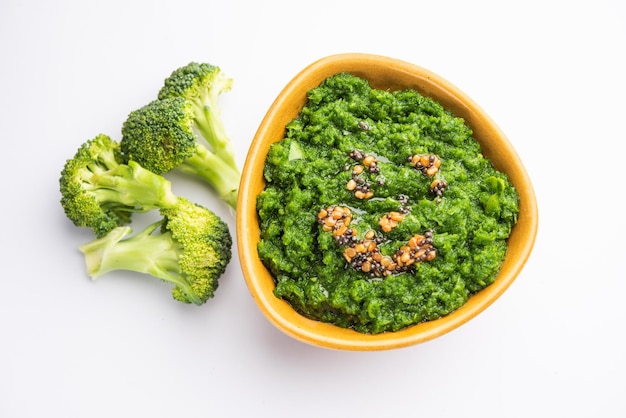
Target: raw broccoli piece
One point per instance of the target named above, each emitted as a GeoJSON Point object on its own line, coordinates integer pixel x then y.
{"type": "Point", "coordinates": [100, 192]}
{"type": "Point", "coordinates": [189, 248]}
{"type": "Point", "coordinates": [168, 132]}
{"type": "Point", "coordinates": [201, 84]}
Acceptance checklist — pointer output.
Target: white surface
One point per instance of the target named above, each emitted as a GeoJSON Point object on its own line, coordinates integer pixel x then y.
{"type": "Point", "coordinates": [551, 73]}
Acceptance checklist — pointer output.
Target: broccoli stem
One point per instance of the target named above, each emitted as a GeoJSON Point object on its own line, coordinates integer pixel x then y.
{"type": "Point", "coordinates": [157, 255]}
{"type": "Point", "coordinates": [133, 186]}
{"type": "Point", "coordinates": [210, 125]}
{"type": "Point", "coordinates": [217, 172]}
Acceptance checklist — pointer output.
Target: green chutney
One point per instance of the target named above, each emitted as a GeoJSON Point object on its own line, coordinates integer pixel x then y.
{"type": "Point", "coordinates": [379, 210]}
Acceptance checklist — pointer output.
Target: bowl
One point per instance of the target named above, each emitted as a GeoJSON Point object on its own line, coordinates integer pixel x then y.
{"type": "Point", "coordinates": [382, 73]}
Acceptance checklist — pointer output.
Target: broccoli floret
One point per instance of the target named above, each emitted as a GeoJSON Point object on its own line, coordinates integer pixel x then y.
{"type": "Point", "coordinates": [201, 84]}
{"type": "Point", "coordinates": [189, 248]}
{"type": "Point", "coordinates": [100, 192]}
{"type": "Point", "coordinates": [167, 133]}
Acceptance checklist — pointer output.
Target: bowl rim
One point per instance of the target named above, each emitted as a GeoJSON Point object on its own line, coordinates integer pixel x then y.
{"type": "Point", "coordinates": [382, 72]}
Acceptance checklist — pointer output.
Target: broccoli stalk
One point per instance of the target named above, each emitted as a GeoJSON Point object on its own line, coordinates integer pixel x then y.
{"type": "Point", "coordinates": [189, 248]}
{"type": "Point", "coordinates": [132, 186]}
{"type": "Point", "coordinates": [215, 171]}
{"type": "Point", "coordinates": [99, 192]}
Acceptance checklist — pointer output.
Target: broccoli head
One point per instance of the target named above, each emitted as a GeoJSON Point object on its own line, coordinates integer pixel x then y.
{"type": "Point", "coordinates": [100, 192]}
{"type": "Point", "coordinates": [160, 135]}
{"type": "Point", "coordinates": [183, 129]}
{"type": "Point", "coordinates": [190, 248]}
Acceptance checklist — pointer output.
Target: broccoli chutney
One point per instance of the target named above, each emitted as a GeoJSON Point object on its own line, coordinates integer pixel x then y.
{"type": "Point", "coordinates": [379, 210]}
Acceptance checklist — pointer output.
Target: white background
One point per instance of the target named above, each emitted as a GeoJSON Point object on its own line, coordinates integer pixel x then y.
{"type": "Point", "coordinates": [551, 73]}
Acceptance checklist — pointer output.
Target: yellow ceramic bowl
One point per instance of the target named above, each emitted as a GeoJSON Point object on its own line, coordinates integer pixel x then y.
{"type": "Point", "coordinates": [382, 73]}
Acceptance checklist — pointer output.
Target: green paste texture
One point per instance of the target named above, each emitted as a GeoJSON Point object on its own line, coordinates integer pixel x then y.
{"type": "Point", "coordinates": [309, 170]}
